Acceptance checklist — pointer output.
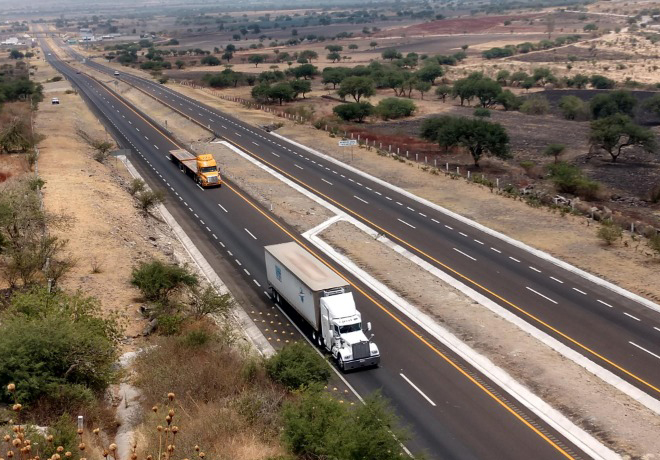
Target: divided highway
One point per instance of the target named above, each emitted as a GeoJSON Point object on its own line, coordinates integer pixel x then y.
{"type": "Point", "coordinates": [610, 329]}
{"type": "Point", "coordinates": [452, 411]}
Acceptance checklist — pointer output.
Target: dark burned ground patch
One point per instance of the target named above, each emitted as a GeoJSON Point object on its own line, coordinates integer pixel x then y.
{"type": "Point", "coordinates": [634, 174]}
{"type": "Point", "coordinates": [580, 53]}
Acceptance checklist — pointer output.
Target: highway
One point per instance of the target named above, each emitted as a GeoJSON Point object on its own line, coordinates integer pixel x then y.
{"type": "Point", "coordinates": [610, 329]}
{"type": "Point", "coordinates": [452, 411]}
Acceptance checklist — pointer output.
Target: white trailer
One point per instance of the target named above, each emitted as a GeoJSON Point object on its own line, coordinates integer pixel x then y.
{"type": "Point", "coordinates": [324, 300]}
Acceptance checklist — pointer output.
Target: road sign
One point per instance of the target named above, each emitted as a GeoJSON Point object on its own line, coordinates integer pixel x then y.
{"type": "Point", "coordinates": [347, 143]}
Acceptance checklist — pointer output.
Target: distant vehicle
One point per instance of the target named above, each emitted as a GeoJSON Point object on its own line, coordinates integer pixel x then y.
{"type": "Point", "coordinates": [202, 168]}
{"type": "Point", "coordinates": [324, 300]}
{"type": "Point", "coordinates": [49, 54]}
{"type": "Point", "coordinates": [116, 73]}
{"type": "Point", "coordinates": [55, 101]}
{"type": "Point", "coordinates": [77, 71]}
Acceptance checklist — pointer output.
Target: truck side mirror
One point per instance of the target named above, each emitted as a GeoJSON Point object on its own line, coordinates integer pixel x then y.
{"type": "Point", "coordinates": [369, 326]}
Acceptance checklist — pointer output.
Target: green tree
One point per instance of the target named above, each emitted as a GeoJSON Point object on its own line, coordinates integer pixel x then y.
{"type": "Point", "coordinates": [442, 91]}
{"type": "Point", "coordinates": [487, 91]}
{"type": "Point", "coordinates": [281, 92]}
{"type": "Point", "coordinates": [391, 54]}
{"type": "Point", "coordinates": [479, 137]}
{"type": "Point", "coordinates": [609, 232]}
{"type": "Point", "coordinates": [393, 108]}
{"type": "Point", "coordinates": [573, 108]}
{"type": "Point", "coordinates": [357, 87]}
{"type": "Point", "coordinates": [210, 60]}
{"type": "Point", "coordinates": [309, 55]}
{"type": "Point", "coordinates": [601, 82]}
{"type": "Point", "coordinates": [158, 281]}
{"type": "Point", "coordinates": [423, 87]}
{"type": "Point", "coordinates": [554, 150]}
{"type": "Point", "coordinates": [606, 104]}
{"type": "Point", "coordinates": [334, 48]}
{"type": "Point", "coordinates": [179, 64]}
{"type": "Point", "coordinates": [502, 76]}
{"type": "Point", "coordinates": [535, 105]}
{"type": "Point", "coordinates": [334, 75]}
{"type": "Point", "coordinates": [300, 87]}
{"type": "Point", "coordinates": [227, 56]}
{"type": "Point", "coordinates": [508, 100]}
{"type": "Point", "coordinates": [429, 72]}
{"type": "Point", "coordinates": [298, 365]}
{"type": "Point", "coordinates": [334, 57]}
{"type": "Point", "coordinates": [304, 71]}
{"type": "Point", "coordinates": [579, 81]}
{"type": "Point", "coordinates": [616, 132]}
{"type": "Point", "coordinates": [652, 105]}
{"type": "Point", "coordinates": [519, 77]}
{"type": "Point", "coordinates": [354, 111]}
{"type": "Point", "coordinates": [543, 75]}
{"type": "Point", "coordinates": [256, 59]}
{"type": "Point", "coordinates": [15, 54]}
{"type": "Point", "coordinates": [373, 45]}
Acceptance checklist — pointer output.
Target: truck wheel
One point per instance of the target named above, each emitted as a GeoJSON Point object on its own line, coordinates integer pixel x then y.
{"type": "Point", "coordinates": [319, 341]}
{"type": "Point", "coordinates": [340, 363]}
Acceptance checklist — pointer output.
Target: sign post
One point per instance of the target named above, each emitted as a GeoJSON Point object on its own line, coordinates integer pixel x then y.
{"type": "Point", "coordinates": [348, 143]}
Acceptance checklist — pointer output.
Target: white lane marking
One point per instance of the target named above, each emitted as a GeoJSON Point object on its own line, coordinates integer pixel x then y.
{"type": "Point", "coordinates": [535, 269]}
{"type": "Point", "coordinates": [222, 207]}
{"type": "Point", "coordinates": [215, 236]}
{"type": "Point", "coordinates": [222, 244]}
{"type": "Point", "coordinates": [298, 166]}
{"type": "Point", "coordinates": [200, 187]}
{"type": "Point", "coordinates": [146, 137]}
{"type": "Point", "coordinates": [129, 122]}
{"type": "Point", "coordinates": [238, 262]}
{"type": "Point", "coordinates": [388, 198]}
{"type": "Point", "coordinates": [358, 198]}
{"type": "Point", "coordinates": [246, 272]}
{"type": "Point", "coordinates": [230, 253]}
{"type": "Point", "coordinates": [257, 283]}
{"type": "Point", "coordinates": [477, 241]}
{"type": "Point", "coordinates": [496, 250]}
{"type": "Point", "coordinates": [378, 193]}
{"type": "Point", "coordinates": [256, 144]}
{"type": "Point", "coordinates": [657, 329]}
{"type": "Point", "coordinates": [559, 281]}
{"type": "Point", "coordinates": [275, 154]}
{"type": "Point", "coordinates": [410, 208]}
{"type": "Point", "coordinates": [581, 292]}
{"type": "Point", "coordinates": [538, 293]}
{"type": "Point", "coordinates": [156, 147]}
{"type": "Point", "coordinates": [514, 259]}
{"type": "Point", "coordinates": [423, 215]}
{"type": "Point", "coordinates": [326, 181]}
{"type": "Point", "coordinates": [417, 389]}
{"type": "Point", "coordinates": [208, 229]}
{"type": "Point", "coordinates": [224, 127]}
{"type": "Point", "coordinates": [403, 221]}
{"type": "Point", "coordinates": [237, 134]}
{"type": "Point", "coordinates": [250, 233]}
{"type": "Point", "coordinates": [644, 349]}
{"type": "Point", "coordinates": [137, 129]}
{"type": "Point", "coordinates": [631, 316]}
{"type": "Point", "coordinates": [348, 178]}
{"type": "Point", "coordinates": [450, 228]}
{"type": "Point", "coordinates": [436, 221]}
{"type": "Point", "coordinates": [461, 233]}
{"type": "Point", "coordinates": [604, 303]}
{"type": "Point", "coordinates": [461, 252]}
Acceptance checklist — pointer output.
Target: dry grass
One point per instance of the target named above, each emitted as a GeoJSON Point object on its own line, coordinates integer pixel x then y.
{"type": "Point", "coordinates": [225, 402]}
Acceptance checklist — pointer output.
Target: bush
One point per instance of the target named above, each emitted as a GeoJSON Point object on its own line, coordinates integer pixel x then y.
{"type": "Point", "coordinates": [508, 100]}
{"type": "Point", "coordinates": [569, 179]}
{"type": "Point", "coordinates": [169, 324]}
{"type": "Point", "coordinates": [157, 280]}
{"type": "Point", "coordinates": [147, 199]}
{"type": "Point", "coordinates": [535, 105]}
{"type": "Point", "coordinates": [481, 112]}
{"type": "Point", "coordinates": [58, 346]}
{"type": "Point", "coordinates": [136, 186]}
{"type": "Point", "coordinates": [356, 111]}
{"type": "Point", "coordinates": [298, 365]}
{"type": "Point", "coordinates": [601, 82]}
{"type": "Point", "coordinates": [609, 232]}
{"type": "Point", "coordinates": [573, 108]}
{"type": "Point", "coordinates": [654, 243]}
{"type": "Point", "coordinates": [393, 108]}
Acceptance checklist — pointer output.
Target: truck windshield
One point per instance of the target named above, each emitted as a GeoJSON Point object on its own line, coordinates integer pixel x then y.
{"type": "Point", "coordinates": [350, 328]}
{"type": "Point", "coordinates": [209, 169]}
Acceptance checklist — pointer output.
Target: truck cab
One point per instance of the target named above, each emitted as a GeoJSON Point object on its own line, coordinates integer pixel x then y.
{"type": "Point", "coordinates": [207, 170]}
{"type": "Point", "coordinates": [342, 333]}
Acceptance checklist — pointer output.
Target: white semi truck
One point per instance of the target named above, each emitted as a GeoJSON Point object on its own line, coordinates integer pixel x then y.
{"type": "Point", "coordinates": [324, 300]}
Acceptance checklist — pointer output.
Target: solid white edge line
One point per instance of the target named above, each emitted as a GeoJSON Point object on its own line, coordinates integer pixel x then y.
{"type": "Point", "coordinates": [417, 389]}
{"type": "Point", "coordinates": [537, 252]}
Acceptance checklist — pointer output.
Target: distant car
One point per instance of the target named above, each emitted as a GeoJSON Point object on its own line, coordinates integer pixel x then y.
{"type": "Point", "coordinates": [49, 54]}
{"type": "Point", "coordinates": [116, 73]}
{"type": "Point", "coordinates": [55, 101]}
{"type": "Point", "coordinates": [77, 71]}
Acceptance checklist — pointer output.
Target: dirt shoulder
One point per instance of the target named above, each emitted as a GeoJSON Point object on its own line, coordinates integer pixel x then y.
{"type": "Point", "coordinates": [108, 231]}
{"type": "Point", "coordinates": [622, 424]}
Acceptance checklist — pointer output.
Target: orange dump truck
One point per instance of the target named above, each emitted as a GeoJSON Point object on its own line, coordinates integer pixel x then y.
{"type": "Point", "coordinates": [202, 168]}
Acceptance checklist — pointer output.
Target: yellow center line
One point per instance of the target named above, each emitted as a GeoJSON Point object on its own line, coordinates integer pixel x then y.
{"type": "Point", "coordinates": [374, 301]}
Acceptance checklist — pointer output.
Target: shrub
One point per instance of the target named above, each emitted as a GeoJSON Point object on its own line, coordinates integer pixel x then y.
{"type": "Point", "coordinates": [209, 302]}
{"type": "Point", "coordinates": [147, 199]}
{"type": "Point", "coordinates": [654, 243]}
{"type": "Point", "coordinates": [157, 280]}
{"type": "Point", "coordinates": [298, 365]}
{"type": "Point", "coordinates": [569, 179]}
{"type": "Point", "coordinates": [356, 111]}
{"type": "Point", "coordinates": [601, 82]}
{"type": "Point", "coordinates": [136, 186]}
{"type": "Point", "coordinates": [573, 108]}
{"type": "Point", "coordinates": [609, 232]}
{"type": "Point", "coordinates": [508, 100]}
{"type": "Point", "coordinates": [393, 108]}
{"type": "Point", "coordinates": [604, 105]}
{"type": "Point", "coordinates": [58, 346]}
{"type": "Point", "coordinates": [169, 324]}
{"type": "Point", "coordinates": [535, 105]}
{"type": "Point", "coordinates": [481, 112]}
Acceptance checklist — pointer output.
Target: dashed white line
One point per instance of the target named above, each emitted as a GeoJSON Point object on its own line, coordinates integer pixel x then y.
{"type": "Point", "coordinates": [417, 389]}
{"type": "Point", "coordinates": [424, 215]}
{"type": "Point", "coordinates": [404, 222]}
{"type": "Point", "coordinates": [644, 349]}
{"type": "Point", "coordinates": [538, 293]}
{"type": "Point", "coordinates": [298, 166]}
{"type": "Point", "coordinates": [326, 181]}
{"type": "Point", "coordinates": [461, 233]}
{"type": "Point", "coordinates": [255, 144]}
{"type": "Point", "coordinates": [477, 241]}
{"type": "Point", "coordinates": [514, 259]}
{"type": "Point", "coordinates": [581, 292]}
{"type": "Point", "coordinates": [358, 198]}
{"type": "Point", "coordinates": [436, 221]}
{"type": "Point", "coordinates": [408, 207]}
{"type": "Point", "coordinates": [466, 255]}
{"type": "Point", "coordinates": [246, 272]}
{"type": "Point", "coordinates": [238, 262]}
{"type": "Point", "coordinates": [657, 329]}
{"type": "Point", "coordinates": [222, 207]}
{"type": "Point", "coordinates": [257, 283]}
{"type": "Point", "coordinates": [561, 282]}
{"type": "Point", "coordinates": [450, 228]}
{"type": "Point", "coordinates": [631, 316]}
{"type": "Point", "coordinates": [535, 269]}
{"type": "Point", "coordinates": [237, 134]}
{"type": "Point", "coordinates": [275, 154]}
{"type": "Point", "coordinates": [387, 197]}
{"type": "Point", "coordinates": [250, 233]}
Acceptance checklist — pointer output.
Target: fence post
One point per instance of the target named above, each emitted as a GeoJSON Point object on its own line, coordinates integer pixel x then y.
{"type": "Point", "coordinates": [406, 154]}
{"type": "Point", "coordinates": [447, 166]}
{"type": "Point", "coordinates": [458, 171]}
{"type": "Point", "coordinates": [417, 157]}
{"type": "Point", "coordinates": [390, 147]}
{"type": "Point", "coordinates": [468, 176]}
{"type": "Point", "coordinates": [425, 159]}
{"type": "Point", "coordinates": [397, 150]}
{"type": "Point", "coordinates": [497, 183]}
